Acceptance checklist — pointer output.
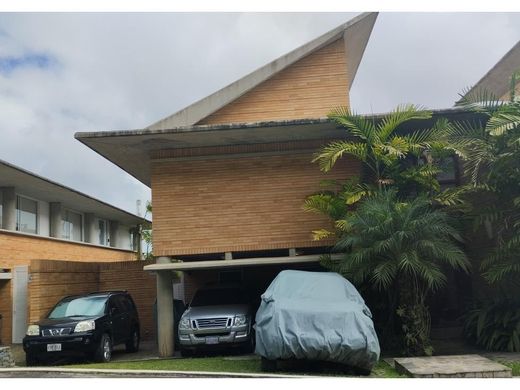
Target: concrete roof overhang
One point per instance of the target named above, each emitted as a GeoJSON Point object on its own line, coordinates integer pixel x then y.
{"type": "Point", "coordinates": [220, 264]}
{"type": "Point", "coordinates": [131, 150]}
{"type": "Point", "coordinates": [38, 187]}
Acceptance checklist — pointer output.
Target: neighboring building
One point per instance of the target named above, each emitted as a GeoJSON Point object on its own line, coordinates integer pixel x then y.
{"type": "Point", "coordinates": [43, 220]}
{"type": "Point", "coordinates": [497, 80]}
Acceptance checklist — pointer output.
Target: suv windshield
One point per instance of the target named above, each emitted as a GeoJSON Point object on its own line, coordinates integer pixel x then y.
{"type": "Point", "coordinates": [219, 296]}
{"type": "Point", "coordinates": [83, 306]}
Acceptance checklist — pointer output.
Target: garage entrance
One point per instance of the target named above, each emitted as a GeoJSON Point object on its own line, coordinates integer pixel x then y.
{"type": "Point", "coordinates": [254, 273]}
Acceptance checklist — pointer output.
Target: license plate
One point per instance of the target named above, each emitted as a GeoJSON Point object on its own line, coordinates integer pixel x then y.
{"type": "Point", "coordinates": [53, 347]}
{"type": "Point", "coordinates": [212, 340]}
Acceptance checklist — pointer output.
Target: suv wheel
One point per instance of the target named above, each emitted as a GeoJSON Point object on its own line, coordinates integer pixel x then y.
{"type": "Point", "coordinates": [132, 344]}
{"type": "Point", "coordinates": [31, 360]}
{"type": "Point", "coordinates": [104, 350]}
{"type": "Point", "coordinates": [269, 365]}
{"type": "Point", "coordinates": [186, 353]}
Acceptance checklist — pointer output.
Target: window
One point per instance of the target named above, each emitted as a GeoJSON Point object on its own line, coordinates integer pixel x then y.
{"type": "Point", "coordinates": [26, 215]}
{"type": "Point", "coordinates": [103, 232]}
{"type": "Point", "coordinates": [72, 226]}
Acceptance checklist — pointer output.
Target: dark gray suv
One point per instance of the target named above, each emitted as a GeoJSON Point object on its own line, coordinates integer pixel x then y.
{"type": "Point", "coordinates": [217, 317]}
{"type": "Point", "coordinates": [86, 325]}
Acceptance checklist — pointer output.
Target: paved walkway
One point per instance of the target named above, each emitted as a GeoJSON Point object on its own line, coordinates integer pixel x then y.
{"type": "Point", "coordinates": [452, 366]}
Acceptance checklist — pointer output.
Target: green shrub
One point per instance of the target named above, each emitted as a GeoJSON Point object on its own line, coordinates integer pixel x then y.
{"type": "Point", "coordinates": [495, 326]}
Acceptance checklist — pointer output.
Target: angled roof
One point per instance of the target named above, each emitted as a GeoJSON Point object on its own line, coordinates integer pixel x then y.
{"type": "Point", "coordinates": [47, 190]}
{"type": "Point", "coordinates": [131, 150]}
{"type": "Point", "coordinates": [355, 33]}
{"type": "Point", "coordinates": [497, 80]}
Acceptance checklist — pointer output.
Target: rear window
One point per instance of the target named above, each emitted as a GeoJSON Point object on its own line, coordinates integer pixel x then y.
{"type": "Point", "coordinates": [219, 296]}
{"type": "Point", "coordinates": [84, 306]}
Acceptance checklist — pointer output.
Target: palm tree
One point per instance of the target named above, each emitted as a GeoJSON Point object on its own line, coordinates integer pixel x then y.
{"type": "Point", "coordinates": [490, 150]}
{"type": "Point", "coordinates": [402, 249]}
{"type": "Point", "coordinates": [379, 145]}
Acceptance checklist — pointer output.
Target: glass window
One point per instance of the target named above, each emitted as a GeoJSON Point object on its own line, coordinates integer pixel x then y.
{"type": "Point", "coordinates": [26, 215]}
{"type": "Point", "coordinates": [103, 232]}
{"type": "Point", "coordinates": [84, 306]}
{"type": "Point", "coordinates": [72, 226]}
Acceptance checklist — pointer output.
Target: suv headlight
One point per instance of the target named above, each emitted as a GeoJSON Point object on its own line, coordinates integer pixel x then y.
{"type": "Point", "coordinates": [33, 330]}
{"type": "Point", "coordinates": [240, 320]}
{"type": "Point", "coordinates": [85, 326]}
{"type": "Point", "coordinates": [185, 323]}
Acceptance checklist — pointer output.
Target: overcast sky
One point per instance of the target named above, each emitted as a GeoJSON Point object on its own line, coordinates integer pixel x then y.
{"type": "Point", "coordinates": [63, 73]}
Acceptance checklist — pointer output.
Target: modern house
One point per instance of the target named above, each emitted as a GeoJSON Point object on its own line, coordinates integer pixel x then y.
{"type": "Point", "coordinates": [229, 173]}
{"type": "Point", "coordinates": [497, 80]}
{"type": "Point", "coordinates": [43, 220]}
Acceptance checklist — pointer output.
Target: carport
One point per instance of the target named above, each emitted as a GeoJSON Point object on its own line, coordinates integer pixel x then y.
{"type": "Point", "coordinates": [165, 270]}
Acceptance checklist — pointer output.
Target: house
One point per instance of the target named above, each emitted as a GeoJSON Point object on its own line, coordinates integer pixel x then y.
{"type": "Point", "coordinates": [229, 173]}
{"type": "Point", "coordinates": [497, 81]}
{"type": "Point", "coordinates": [41, 220]}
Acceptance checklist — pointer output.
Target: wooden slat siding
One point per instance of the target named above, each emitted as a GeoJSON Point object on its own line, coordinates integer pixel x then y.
{"type": "Point", "coordinates": [140, 284]}
{"type": "Point", "coordinates": [17, 249]}
{"type": "Point", "coordinates": [238, 204]}
{"type": "Point", "coordinates": [307, 89]}
{"type": "Point", "coordinates": [52, 280]}
{"type": "Point", "coordinates": [6, 309]}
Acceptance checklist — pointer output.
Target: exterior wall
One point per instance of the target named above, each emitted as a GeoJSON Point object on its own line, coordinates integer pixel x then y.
{"type": "Point", "coordinates": [307, 89]}
{"type": "Point", "coordinates": [5, 311]}
{"type": "Point", "coordinates": [52, 280]}
{"type": "Point", "coordinates": [19, 249]}
{"type": "Point", "coordinates": [141, 285]}
{"type": "Point", "coordinates": [238, 203]}
{"type": "Point", "coordinates": [507, 95]}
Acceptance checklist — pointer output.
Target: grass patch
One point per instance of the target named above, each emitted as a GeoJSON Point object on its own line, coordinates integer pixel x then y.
{"type": "Point", "coordinates": [515, 367]}
{"type": "Point", "coordinates": [221, 364]}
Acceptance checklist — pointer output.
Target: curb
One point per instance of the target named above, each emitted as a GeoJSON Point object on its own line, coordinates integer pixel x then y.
{"type": "Point", "coordinates": [63, 372]}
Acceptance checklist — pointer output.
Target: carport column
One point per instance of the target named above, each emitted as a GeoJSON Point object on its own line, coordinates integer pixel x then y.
{"type": "Point", "coordinates": [55, 219]}
{"type": "Point", "coordinates": [165, 325]}
{"type": "Point", "coordinates": [8, 208]}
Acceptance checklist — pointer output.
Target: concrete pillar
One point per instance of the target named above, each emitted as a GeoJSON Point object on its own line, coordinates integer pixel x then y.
{"type": "Point", "coordinates": [113, 226]}
{"type": "Point", "coordinates": [90, 229]}
{"type": "Point", "coordinates": [8, 208]}
{"type": "Point", "coordinates": [55, 219]}
{"type": "Point", "coordinates": [165, 324]}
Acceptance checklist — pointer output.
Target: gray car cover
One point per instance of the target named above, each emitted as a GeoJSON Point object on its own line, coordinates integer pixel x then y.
{"type": "Point", "coordinates": [315, 316]}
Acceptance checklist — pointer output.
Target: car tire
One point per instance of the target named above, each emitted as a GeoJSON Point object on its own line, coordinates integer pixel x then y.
{"type": "Point", "coordinates": [268, 365]}
{"type": "Point", "coordinates": [186, 353]}
{"type": "Point", "coordinates": [104, 350]}
{"type": "Point", "coordinates": [362, 371]}
{"type": "Point", "coordinates": [132, 344]}
{"type": "Point", "coordinates": [31, 360]}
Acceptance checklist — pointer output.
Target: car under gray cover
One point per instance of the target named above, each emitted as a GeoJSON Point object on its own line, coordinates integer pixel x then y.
{"type": "Point", "coordinates": [316, 316]}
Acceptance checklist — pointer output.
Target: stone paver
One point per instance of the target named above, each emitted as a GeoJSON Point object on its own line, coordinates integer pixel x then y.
{"type": "Point", "coordinates": [454, 366]}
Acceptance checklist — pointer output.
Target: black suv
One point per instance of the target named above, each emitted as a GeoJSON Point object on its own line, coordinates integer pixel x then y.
{"type": "Point", "coordinates": [88, 325]}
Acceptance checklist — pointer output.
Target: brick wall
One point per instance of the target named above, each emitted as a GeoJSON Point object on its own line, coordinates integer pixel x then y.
{"type": "Point", "coordinates": [19, 249]}
{"type": "Point", "coordinates": [226, 204]}
{"type": "Point", "coordinates": [141, 285]}
{"type": "Point", "coordinates": [5, 310]}
{"type": "Point", "coordinates": [307, 89]}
